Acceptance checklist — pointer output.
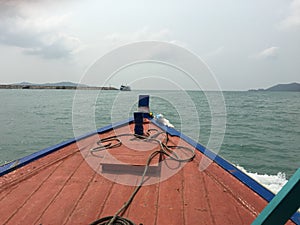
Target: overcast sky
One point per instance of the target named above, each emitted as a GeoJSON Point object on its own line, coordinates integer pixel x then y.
{"type": "Point", "coordinates": [247, 44]}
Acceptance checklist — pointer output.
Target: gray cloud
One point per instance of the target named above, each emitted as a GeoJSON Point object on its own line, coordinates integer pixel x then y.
{"type": "Point", "coordinates": [143, 34]}
{"type": "Point", "coordinates": [63, 47]}
{"type": "Point", "coordinates": [293, 19]}
{"type": "Point", "coordinates": [268, 53]}
{"type": "Point", "coordinates": [36, 35]}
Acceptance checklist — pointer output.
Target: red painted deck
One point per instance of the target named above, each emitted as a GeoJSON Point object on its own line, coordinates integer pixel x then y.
{"type": "Point", "coordinates": [62, 188]}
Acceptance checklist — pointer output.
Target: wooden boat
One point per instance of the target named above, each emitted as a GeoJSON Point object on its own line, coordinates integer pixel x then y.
{"type": "Point", "coordinates": [82, 180]}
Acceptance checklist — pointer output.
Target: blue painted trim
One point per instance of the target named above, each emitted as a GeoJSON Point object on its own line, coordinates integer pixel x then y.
{"type": "Point", "coordinates": [227, 166]}
{"type": "Point", "coordinates": [11, 166]}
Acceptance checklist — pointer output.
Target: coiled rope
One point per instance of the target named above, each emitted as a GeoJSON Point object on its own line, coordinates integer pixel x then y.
{"type": "Point", "coordinates": [107, 143]}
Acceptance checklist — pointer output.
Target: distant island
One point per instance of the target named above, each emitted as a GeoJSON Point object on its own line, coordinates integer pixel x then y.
{"type": "Point", "coordinates": [60, 85]}
{"type": "Point", "coordinates": [281, 87]}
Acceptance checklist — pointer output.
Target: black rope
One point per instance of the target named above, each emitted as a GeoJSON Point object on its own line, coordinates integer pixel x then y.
{"type": "Point", "coordinates": [119, 221]}
{"type": "Point", "coordinates": [164, 149]}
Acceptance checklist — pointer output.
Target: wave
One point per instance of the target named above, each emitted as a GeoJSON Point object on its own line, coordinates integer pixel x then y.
{"type": "Point", "coordinates": [272, 182]}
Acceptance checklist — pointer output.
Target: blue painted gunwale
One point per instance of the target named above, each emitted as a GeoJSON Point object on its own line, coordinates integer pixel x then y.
{"type": "Point", "coordinates": [11, 166]}
{"type": "Point", "coordinates": [227, 166]}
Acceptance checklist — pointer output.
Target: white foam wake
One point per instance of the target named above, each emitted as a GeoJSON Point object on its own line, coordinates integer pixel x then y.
{"type": "Point", "coordinates": [272, 182]}
{"type": "Point", "coordinates": [162, 120]}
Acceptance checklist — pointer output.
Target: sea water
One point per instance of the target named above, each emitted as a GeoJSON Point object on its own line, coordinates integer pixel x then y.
{"type": "Point", "coordinates": [262, 135]}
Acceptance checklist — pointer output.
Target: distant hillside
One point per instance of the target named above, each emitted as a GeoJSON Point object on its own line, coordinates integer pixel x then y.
{"type": "Point", "coordinates": [285, 87]}
{"type": "Point", "coordinates": [282, 87]}
{"type": "Point", "coordinates": [66, 84]}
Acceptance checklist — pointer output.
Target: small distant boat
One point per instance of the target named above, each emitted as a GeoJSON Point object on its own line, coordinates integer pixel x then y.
{"type": "Point", "coordinates": [125, 88]}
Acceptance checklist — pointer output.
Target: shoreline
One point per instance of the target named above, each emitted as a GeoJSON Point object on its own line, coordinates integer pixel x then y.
{"type": "Point", "coordinates": [9, 86]}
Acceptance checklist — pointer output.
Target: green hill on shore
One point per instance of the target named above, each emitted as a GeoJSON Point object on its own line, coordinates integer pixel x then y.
{"type": "Point", "coordinates": [282, 87]}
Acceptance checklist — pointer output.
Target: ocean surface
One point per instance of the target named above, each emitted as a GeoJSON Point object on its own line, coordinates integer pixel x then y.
{"type": "Point", "coordinates": [262, 133]}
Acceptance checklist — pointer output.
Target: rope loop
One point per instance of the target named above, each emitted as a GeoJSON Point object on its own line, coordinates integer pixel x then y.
{"type": "Point", "coordinates": [165, 149]}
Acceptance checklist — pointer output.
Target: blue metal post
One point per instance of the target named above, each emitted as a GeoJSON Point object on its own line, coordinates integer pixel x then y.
{"type": "Point", "coordinates": [138, 120]}
{"type": "Point", "coordinates": [143, 105]}
{"type": "Point", "coordinates": [283, 205]}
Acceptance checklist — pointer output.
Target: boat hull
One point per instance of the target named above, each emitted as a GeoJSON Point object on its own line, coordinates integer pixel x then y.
{"type": "Point", "coordinates": [66, 184]}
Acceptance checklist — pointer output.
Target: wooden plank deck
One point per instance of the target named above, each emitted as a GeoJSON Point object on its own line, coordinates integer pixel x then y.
{"type": "Point", "coordinates": [62, 188]}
